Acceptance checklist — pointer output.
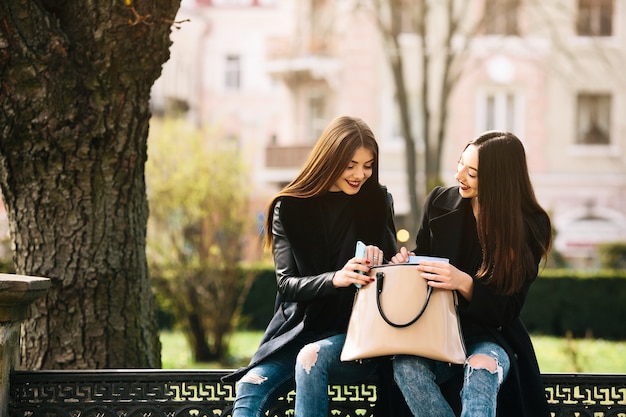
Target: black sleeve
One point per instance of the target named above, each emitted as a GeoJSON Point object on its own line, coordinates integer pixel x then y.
{"type": "Point", "coordinates": [291, 285]}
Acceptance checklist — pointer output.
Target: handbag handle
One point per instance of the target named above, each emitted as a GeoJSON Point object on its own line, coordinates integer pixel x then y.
{"type": "Point", "coordinates": [380, 277]}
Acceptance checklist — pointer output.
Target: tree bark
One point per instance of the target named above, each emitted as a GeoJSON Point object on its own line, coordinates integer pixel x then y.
{"type": "Point", "coordinates": [75, 81]}
{"type": "Point", "coordinates": [391, 31]}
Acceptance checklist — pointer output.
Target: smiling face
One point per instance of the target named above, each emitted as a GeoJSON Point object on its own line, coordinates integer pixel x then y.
{"type": "Point", "coordinates": [356, 173]}
{"type": "Point", "coordinates": [467, 172]}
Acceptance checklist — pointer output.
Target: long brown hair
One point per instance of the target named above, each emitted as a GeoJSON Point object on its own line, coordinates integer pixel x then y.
{"type": "Point", "coordinates": [326, 163]}
{"type": "Point", "coordinates": [512, 226]}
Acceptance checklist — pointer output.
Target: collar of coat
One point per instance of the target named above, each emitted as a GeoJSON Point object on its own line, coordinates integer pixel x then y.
{"type": "Point", "coordinates": [446, 213]}
{"type": "Point", "coordinates": [305, 226]}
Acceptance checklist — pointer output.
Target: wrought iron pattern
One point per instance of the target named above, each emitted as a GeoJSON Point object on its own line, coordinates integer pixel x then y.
{"type": "Point", "coordinates": [586, 395]}
{"type": "Point", "coordinates": [201, 393]}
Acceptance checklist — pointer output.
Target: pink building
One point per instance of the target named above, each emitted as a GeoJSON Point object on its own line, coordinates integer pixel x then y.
{"type": "Point", "coordinates": [269, 75]}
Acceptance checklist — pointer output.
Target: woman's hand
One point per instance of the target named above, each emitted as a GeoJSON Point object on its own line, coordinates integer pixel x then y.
{"type": "Point", "coordinates": [374, 256]}
{"type": "Point", "coordinates": [446, 276]}
{"type": "Point", "coordinates": [401, 257]}
{"type": "Point", "coordinates": [356, 270]}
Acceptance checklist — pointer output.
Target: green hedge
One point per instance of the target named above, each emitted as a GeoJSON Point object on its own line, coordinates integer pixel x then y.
{"type": "Point", "coordinates": [561, 302]}
{"type": "Point", "coordinates": [565, 302]}
{"type": "Point", "coordinates": [6, 266]}
{"type": "Point", "coordinates": [612, 255]}
{"type": "Point", "coordinates": [258, 308]}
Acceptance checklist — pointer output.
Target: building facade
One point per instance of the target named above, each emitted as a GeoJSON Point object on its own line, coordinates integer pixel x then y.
{"type": "Point", "coordinates": [268, 75]}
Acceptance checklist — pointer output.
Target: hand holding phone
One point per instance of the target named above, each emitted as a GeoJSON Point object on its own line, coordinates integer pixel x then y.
{"type": "Point", "coordinates": [360, 252]}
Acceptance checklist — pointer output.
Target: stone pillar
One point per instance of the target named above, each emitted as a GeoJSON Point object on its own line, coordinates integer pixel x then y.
{"type": "Point", "coordinates": [17, 292]}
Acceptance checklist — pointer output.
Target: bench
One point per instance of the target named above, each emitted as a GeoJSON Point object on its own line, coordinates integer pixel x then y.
{"type": "Point", "coordinates": [200, 393]}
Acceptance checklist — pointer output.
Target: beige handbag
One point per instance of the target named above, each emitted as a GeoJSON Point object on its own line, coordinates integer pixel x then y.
{"type": "Point", "coordinates": [399, 313]}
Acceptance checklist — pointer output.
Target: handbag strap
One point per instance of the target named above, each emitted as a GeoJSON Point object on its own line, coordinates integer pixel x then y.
{"type": "Point", "coordinates": [380, 277]}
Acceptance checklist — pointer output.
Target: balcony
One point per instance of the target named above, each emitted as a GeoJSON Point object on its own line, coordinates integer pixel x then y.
{"type": "Point", "coordinates": [285, 157]}
{"type": "Point", "coordinates": [293, 64]}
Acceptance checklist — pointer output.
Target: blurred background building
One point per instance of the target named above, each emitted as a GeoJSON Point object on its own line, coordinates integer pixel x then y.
{"type": "Point", "coordinates": [268, 75]}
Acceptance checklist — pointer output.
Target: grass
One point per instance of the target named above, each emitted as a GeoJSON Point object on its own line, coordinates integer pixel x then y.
{"type": "Point", "coordinates": [554, 354]}
{"type": "Point", "coordinates": [580, 355]}
{"type": "Point", "coordinates": [175, 352]}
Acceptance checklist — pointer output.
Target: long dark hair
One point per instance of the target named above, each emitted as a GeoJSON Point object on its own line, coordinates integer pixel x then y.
{"type": "Point", "coordinates": [326, 163]}
{"type": "Point", "coordinates": [512, 227]}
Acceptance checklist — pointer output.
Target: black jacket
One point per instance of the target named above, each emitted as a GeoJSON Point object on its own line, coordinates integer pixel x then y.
{"type": "Point", "coordinates": [522, 393]}
{"type": "Point", "coordinates": [306, 298]}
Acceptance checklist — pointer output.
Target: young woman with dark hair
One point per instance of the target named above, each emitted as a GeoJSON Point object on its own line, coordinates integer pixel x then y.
{"type": "Point", "coordinates": [495, 234]}
{"type": "Point", "coordinates": [312, 227]}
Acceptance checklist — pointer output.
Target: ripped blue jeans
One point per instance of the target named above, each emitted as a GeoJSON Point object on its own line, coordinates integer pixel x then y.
{"type": "Point", "coordinates": [419, 379]}
{"type": "Point", "coordinates": [309, 368]}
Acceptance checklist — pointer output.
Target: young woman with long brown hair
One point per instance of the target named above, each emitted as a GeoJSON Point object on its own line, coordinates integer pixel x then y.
{"type": "Point", "coordinates": [495, 234]}
{"type": "Point", "coordinates": [312, 226]}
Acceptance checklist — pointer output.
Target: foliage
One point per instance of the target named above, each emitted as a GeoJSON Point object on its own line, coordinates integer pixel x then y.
{"type": "Point", "coordinates": [577, 303]}
{"type": "Point", "coordinates": [198, 218]}
{"type": "Point", "coordinates": [6, 266]}
{"type": "Point", "coordinates": [258, 308]}
{"type": "Point", "coordinates": [612, 255]}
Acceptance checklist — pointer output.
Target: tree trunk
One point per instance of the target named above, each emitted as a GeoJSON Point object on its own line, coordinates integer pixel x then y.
{"type": "Point", "coordinates": [397, 68]}
{"type": "Point", "coordinates": [200, 347]}
{"type": "Point", "coordinates": [391, 33]}
{"type": "Point", "coordinates": [74, 112]}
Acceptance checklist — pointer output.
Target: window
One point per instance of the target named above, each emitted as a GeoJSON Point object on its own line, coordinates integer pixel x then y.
{"type": "Point", "coordinates": [501, 17]}
{"type": "Point", "coordinates": [317, 121]}
{"type": "Point", "coordinates": [500, 110]}
{"type": "Point", "coordinates": [232, 79]}
{"type": "Point", "coordinates": [320, 21]}
{"type": "Point", "coordinates": [414, 104]}
{"type": "Point", "coordinates": [410, 16]}
{"type": "Point", "coordinates": [595, 18]}
{"type": "Point", "coordinates": [594, 119]}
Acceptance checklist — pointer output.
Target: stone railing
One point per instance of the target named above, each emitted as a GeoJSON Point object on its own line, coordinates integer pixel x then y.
{"type": "Point", "coordinates": [17, 292]}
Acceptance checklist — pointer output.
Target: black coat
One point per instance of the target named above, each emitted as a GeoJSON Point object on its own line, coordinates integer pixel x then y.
{"type": "Point", "coordinates": [307, 299]}
{"type": "Point", "coordinates": [522, 393]}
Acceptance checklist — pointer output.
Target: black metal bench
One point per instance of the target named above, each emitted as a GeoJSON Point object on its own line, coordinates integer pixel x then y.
{"type": "Point", "coordinates": [200, 393]}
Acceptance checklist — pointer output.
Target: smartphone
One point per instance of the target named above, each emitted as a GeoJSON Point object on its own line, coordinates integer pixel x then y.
{"type": "Point", "coordinates": [416, 259]}
{"type": "Point", "coordinates": [360, 252]}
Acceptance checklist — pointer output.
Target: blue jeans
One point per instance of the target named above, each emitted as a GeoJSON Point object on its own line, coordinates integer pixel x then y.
{"type": "Point", "coordinates": [310, 368]}
{"type": "Point", "coordinates": [419, 379]}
